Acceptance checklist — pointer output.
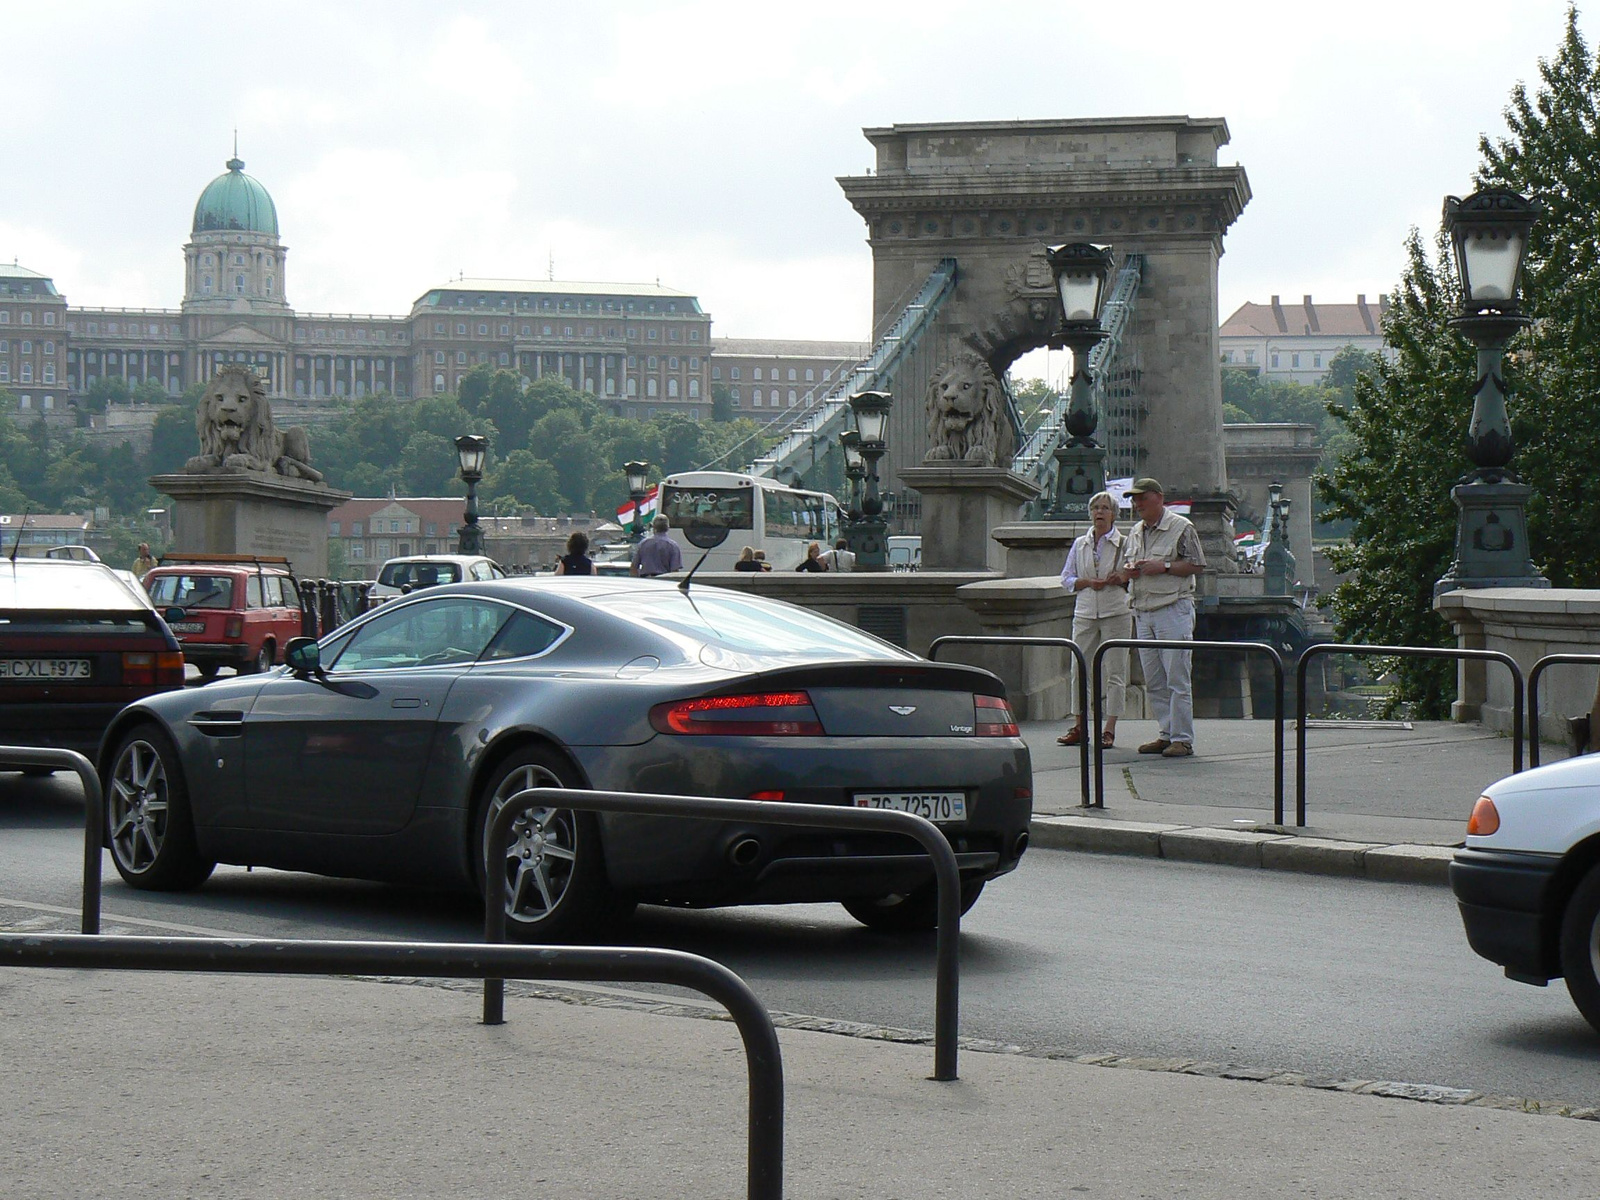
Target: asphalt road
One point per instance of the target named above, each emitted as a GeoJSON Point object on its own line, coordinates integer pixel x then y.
{"type": "Point", "coordinates": [1330, 977]}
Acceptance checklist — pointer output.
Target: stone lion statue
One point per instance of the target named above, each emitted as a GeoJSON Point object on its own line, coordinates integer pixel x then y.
{"type": "Point", "coordinates": [237, 432]}
{"type": "Point", "coordinates": [966, 415]}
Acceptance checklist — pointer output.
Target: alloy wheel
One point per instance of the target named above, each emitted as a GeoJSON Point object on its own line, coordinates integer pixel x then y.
{"type": "Point", "coordinates": [138, 806]}
{"type": "Point", "coordinates": [542, 849]}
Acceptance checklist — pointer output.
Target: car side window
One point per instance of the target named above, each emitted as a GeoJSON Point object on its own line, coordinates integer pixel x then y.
{"type": "Point", "coordinates": [480, 571]}
{"type": "Point", "coordinates": [495, 572]}
{"type": "Point", "coordinates": [290, 594]}
{"type": "Point", "coordinates": [271, 593]}
{"type": "Point", "coordinates": [426, 634]}
{"type": "Point", "coordinates": [252, 592]}
{"type": "Point", "coordinates": [523, 635]}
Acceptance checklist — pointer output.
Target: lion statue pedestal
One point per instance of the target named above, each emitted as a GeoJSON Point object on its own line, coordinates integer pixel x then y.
{"type": "Point", "coordinates": [962, 505]}
{"type": "Point", "coordinates": [252, 488]}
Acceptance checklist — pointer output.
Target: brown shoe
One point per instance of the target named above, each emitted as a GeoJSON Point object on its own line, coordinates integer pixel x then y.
{"type": "Point", "coordinates": [1159, 746]}
{"type": "Point", "coordinates": [1178, 750]}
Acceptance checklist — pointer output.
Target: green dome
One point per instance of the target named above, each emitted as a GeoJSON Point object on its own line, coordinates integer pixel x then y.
{"type": "Point", "coordinates": [235, 201]}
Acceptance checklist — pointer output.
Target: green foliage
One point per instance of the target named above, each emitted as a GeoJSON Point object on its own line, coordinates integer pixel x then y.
{"type": "Point", "coordinates": [1407, 427]}
{"type": "Point", "coordinates": [107, 390]}
{"type": "Point", "coordinates": [1035, 399]}
{"type": "Point", "coordinates": [721, 402]}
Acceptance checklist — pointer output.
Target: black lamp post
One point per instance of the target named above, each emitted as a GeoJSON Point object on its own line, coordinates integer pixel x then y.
{"type": "Point", "coordinates": [868, 535]}
{"type": "Point", "coordinates": [471, 449]}
{"type": "Point", "coordinates": [1278, 563]}
{"type": "Point", "coordinates": [855, 469]}
{"type": "Point", "coordinates": [1489, 233]}
{"type": "Point", "coordinates": [1081, 271]}
{"type": "Point", "coordinates": [638, 474]}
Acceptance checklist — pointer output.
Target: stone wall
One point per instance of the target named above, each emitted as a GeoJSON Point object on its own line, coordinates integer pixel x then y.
{"type": "Point", "coordinates": [1527, 624]}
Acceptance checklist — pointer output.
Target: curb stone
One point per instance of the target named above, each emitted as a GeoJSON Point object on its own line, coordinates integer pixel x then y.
{"type": "Point", "coordinates": [1281, 851]}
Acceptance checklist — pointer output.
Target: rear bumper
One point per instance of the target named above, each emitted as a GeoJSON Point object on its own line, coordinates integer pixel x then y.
{"type": "Point", "coordinates": [1506, 904]}
{"type": "Point", "coordinates": [218, 654]}
{"type": "Point", "coordinates": [72, 726]}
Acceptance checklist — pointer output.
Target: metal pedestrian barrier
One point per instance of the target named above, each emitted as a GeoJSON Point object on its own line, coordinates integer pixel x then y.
{"type": "Point", "coordinates": [1083, 680]}
{"type": "Point", "coordinates": [764, 812]}
{"type": "Point", "coordinates": [1538, 669]}
{"type": "Point", "coordinates": [442, 960]}
{"type": "Point", "coordinates": [1393, 652]}
{"type": "Point", "coordinates": [1231, 647]}
{"type": "Point", "coordinates": [15, 758]}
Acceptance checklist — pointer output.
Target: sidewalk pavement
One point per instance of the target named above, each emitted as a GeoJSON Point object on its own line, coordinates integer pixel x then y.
{"type": "Point", "coordinates": [1384, 800]}
{"type": "Point", "coordinates": [133, 1084]}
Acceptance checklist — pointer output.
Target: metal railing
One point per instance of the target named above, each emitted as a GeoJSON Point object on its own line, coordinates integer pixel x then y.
{"type": "Point", "coordinates": [1392, 652]}
{"type": "Point", "coordinates": [13, 758]}
{"type": "Point", "coordinates": [1083, 681]}
{"type": "Point", "coordinates": [442, 960]}
{"type": "Point", "coordinates": [1227, 647]}
{"type": "Point", "coordinates": [814, 816]}
{"type": "Point", "coordinates": [1538, 669]}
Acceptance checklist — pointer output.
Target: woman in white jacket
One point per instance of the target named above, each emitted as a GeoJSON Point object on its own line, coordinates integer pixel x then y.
{"type": "Point", "coordinates": [1090, 573]}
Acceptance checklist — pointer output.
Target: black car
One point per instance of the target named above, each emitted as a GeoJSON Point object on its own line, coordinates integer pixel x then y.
{"type": "Point", "coordinates": [76, 644]}
{"type": "Point", "coordinates": [386, 751]}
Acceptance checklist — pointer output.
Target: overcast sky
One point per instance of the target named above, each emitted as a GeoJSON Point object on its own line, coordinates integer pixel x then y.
{"type": "Point", "coordinates": [698, 143]}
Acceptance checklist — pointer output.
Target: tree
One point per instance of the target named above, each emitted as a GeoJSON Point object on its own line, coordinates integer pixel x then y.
{"type": "Point", "coordinates": [721, 402]}
{"type": "Point", "coordinates": [107, 390]}
{"type": "Point", "coordinates": [1407, 425]}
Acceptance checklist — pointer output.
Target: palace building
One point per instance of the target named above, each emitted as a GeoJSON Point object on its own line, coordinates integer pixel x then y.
{"type": "Point", "coordinates": [641, 348]}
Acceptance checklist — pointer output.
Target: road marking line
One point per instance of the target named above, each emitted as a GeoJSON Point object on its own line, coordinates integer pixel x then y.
{"type": "Point", "coordinates": [59, 910]}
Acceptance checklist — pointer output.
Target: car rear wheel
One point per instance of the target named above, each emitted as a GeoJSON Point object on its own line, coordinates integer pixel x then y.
{"type": "Point", "coordinates": [914, 912]}
{"type": "Point", "coordinates": [148, 821]}
{"type": "Point", "coordinates": [263, 659]}
{"type": "Point", "coordinates": [1580, 947]}
{"type": "Point", "coordinates": [554, 869]}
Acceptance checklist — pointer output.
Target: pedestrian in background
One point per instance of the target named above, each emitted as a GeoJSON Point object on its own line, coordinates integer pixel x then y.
{"type": "Point", "coordinates": [144, 564]}
{"type": "Point", "coordinates": [841, 557]}
{"type": "Point", "coordinates": [1161, 557]}
{"type": "Point", "coordinates": [657, 554]}
{"type": "Point", "coordinates": [747, 561]}
{"type": "Point", "coordinates": [1092, 573]}
{"type": "Point", "coordinates": [576, 560]}
{"type": "Point", "coordinates": [761, 560]}
{"type": "Point", "coordinates": [813, 559]}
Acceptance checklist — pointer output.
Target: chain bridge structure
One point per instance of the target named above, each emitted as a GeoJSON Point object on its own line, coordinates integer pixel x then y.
{"type": "Point", "coordinates": [958, 216]}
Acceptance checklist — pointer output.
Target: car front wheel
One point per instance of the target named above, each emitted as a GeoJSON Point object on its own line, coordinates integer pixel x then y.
{"type": "Point", "coordinates": [552, 865]}
{"type": "Point", "coordinates": [914, 912]}
{"type": "Point", "coordinates": [148, 822]}
{"type": "Point", "coordinates": [1580, 947]}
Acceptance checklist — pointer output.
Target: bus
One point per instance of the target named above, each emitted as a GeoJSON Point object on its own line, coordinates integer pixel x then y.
{"type": "Point", "coordinates": [719, 513]}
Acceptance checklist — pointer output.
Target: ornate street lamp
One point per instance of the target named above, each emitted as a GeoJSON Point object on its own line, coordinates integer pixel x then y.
{"type": "Point", "coordinates": [868, 535]}
{"type": "Point", "coordinates": [1081, 271]}
{"type": "Point", "coordinates": [1278, 562]}
{"type": "Point", "coordinates": [471, 450]}
{"type": "Point", "coordinates": [1489, 233]}
{"type": "Point", "coordinates": [855, 468]}
{"type": "Point", "coordinates": [638, 474]}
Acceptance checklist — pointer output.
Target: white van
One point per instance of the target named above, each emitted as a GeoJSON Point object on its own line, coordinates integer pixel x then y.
{"type": "Point", "coordinates": [905, 552]}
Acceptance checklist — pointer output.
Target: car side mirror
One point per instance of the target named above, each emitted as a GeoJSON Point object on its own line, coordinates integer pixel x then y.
{"type": "Point", "coordinates": [172, 615]}
{"type": "Point", "coordinates": [303, 656]}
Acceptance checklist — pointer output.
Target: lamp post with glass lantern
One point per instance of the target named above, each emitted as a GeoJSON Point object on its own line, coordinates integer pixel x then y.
{"type": "Point", "coordinates": [1278, 562]}
{"type": "Point", "coordinates": [868, 535]}
{"type": "Point", "coordinates": [1489, 235]}
{"type": "Point", "coordinates": [471, 449]}
{"type": "Point", "coordinates": [1081, 271]}
{"type": "Point", "coordinates": [855, 469]}
{"type": "Point", "coordinates": [638, 474]}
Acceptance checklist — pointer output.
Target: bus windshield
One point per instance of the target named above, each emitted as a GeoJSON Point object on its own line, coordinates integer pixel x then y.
{"type": "Point", "coordinates": [719, 507]}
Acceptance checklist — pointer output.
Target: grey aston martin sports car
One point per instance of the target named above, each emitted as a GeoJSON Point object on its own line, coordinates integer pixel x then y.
{"type": "Point", "coordinates": [383, 751]}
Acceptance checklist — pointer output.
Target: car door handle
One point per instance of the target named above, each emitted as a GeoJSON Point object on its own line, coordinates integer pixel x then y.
{"type": "Point", "coordinates": [406, 702]}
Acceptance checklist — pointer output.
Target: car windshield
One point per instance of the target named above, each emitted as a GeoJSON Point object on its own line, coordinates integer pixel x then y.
{"type": "Point", "coordinates": [738, 632]}
{"type": "Point", "coordinates": [192, 591]}
{"type": "Point", "coordinates": [419, 574]}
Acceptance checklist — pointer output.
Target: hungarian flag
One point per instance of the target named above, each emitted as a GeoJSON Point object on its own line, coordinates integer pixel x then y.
{"type": "Point", "coordinates": [647, 508]}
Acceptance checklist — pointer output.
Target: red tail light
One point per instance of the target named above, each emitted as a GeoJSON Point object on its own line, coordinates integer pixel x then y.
{"type": "Point", "coordinates": [763, 714]}
{"type": "Point", "coordinates": [169, 667]}
{"type": "Point", "coordinates": [234, 628]}
{"type": "Point", "coordinates": [992, 718]}
{"type": "Point", "coordinates": [144, 669]}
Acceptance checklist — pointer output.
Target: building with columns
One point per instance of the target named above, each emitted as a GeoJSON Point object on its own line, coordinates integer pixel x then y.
{"type": "Point", "coordinates": [640, 348]}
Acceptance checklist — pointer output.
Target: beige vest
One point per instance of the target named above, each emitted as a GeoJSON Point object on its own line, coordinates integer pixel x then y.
{"type": "Point", "coordinates": [1108, 601]}
{"type": "Point", "coordinates": [1150, 592]}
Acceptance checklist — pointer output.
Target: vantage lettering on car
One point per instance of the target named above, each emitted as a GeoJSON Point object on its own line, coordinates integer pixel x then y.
{"type": "Point", "coordinates": [961, 729]}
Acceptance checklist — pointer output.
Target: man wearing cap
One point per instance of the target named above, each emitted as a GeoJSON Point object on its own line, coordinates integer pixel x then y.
{"type": "Point", "coordinates": [1163, 556]}
{"type": "Point", "coordinates": [657, 554]}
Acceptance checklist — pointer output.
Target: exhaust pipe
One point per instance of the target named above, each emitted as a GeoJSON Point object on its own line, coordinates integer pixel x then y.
{"type": "Point", "coordinates": [1020, 845]}
{"type": "Point", "coordinates": [744, 852]}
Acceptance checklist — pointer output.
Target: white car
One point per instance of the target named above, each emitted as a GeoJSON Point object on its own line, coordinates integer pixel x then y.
{"type": "Point", "coordinates": [401, 576]}
{"type": "Point", "coordinates": [1528, 880]}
